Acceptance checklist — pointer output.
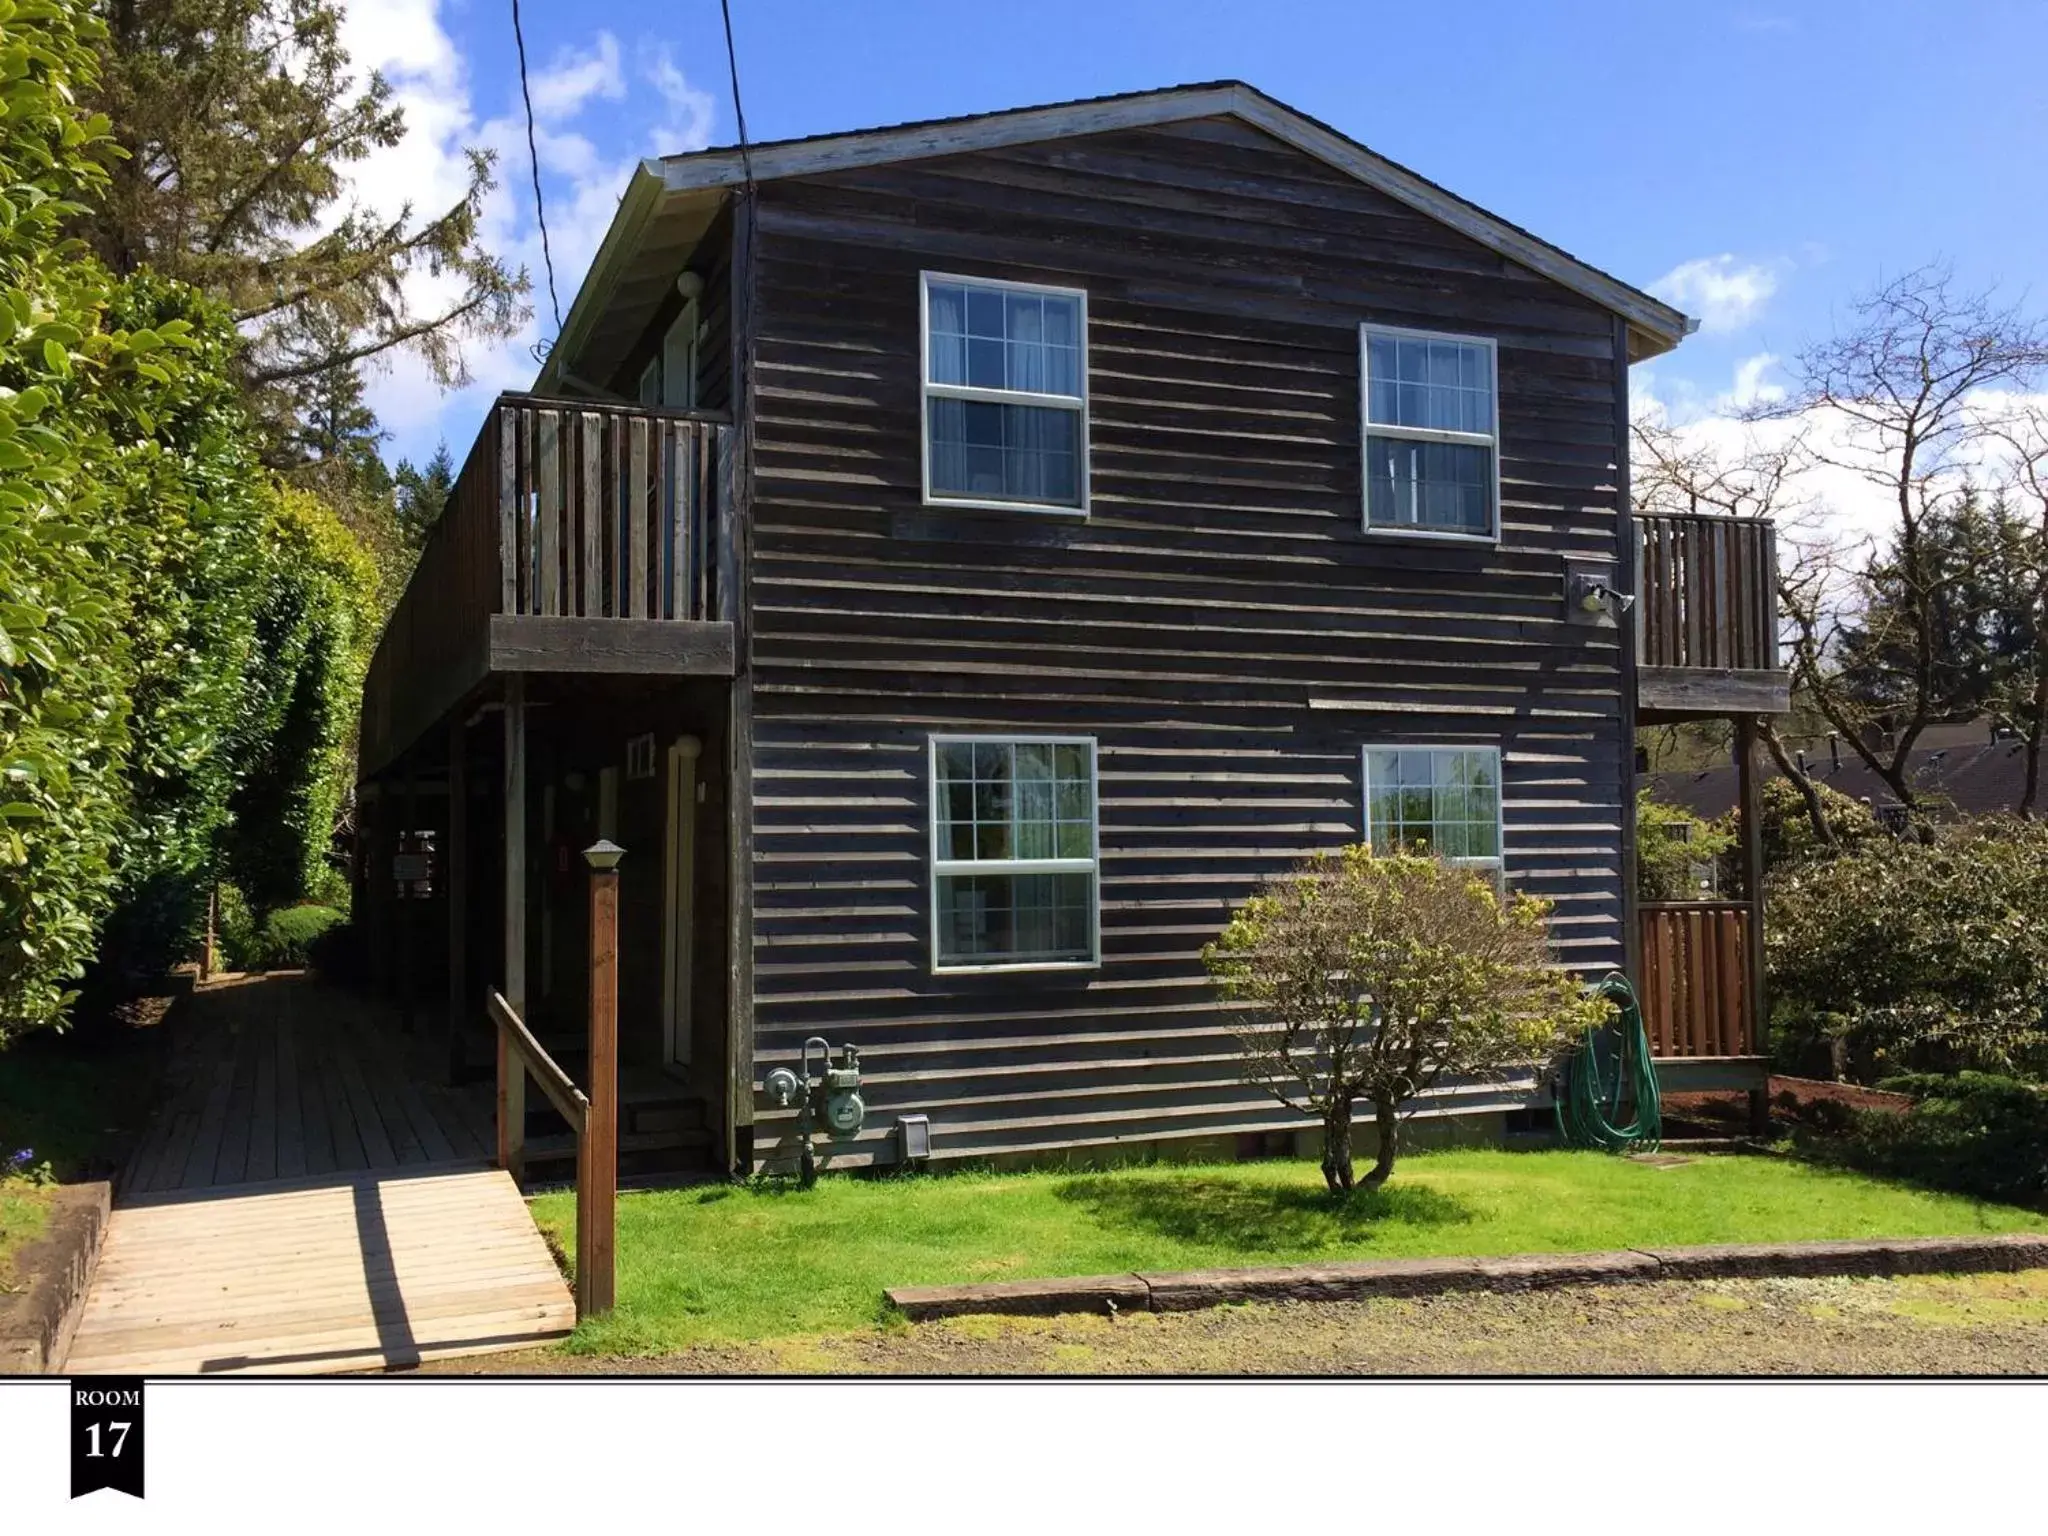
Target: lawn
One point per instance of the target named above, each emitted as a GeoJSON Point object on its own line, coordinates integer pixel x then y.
{"type": "Point", "coordinates": [24, 1208]}
{"type": "Point", "coordinates": [766, 1260]}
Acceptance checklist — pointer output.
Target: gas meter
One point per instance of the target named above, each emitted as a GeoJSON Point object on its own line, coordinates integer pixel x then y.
{"type": "Point", "coordinates": [832, 1094]}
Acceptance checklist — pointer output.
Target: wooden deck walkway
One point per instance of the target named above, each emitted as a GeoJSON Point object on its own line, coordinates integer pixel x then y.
{"type": "Point", "coordinates": [311, 1199]}
{"type": "Point", "coordinates": [279, 1077]}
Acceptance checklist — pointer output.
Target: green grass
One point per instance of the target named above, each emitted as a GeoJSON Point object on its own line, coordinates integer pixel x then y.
{"type": "Point", "coordinates": [24, 1208]}
{"type": "Point", "coordinates": [765, 1261]}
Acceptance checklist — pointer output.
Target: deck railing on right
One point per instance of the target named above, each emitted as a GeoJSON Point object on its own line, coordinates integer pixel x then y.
{"type": "Point", "coordinates": [1707, 592]}
{"type": "Point", "coordinates": [1695, 983]}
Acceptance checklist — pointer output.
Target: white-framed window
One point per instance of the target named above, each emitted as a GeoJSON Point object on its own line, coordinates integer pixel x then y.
{"type": "Point", "coordinates": [1440, 799]}
{"type": "Point", "coordinates": [1015, 854]}
{"type": "Point", "coordinates": [650, 382]}
{"type": "Point", "coordinates": [1431, 407]}
{"type": "Point", "coordinates": [1005, 394]}
{"type": "Point", "coordinates": [679, 360]}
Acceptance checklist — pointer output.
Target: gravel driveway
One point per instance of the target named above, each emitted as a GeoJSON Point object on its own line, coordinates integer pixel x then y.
{"type": "Point", "coordinates": [1940, 1324]}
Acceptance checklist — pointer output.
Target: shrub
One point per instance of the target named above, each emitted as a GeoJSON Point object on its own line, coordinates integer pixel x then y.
{"type": "Point", "coordinates": [289, 934]}
{"type": "Point", "coordinates": [1374, 978]}
{"type": "Point", "coordinates": [337, 954]}
{"type": "Point", "coordinates": [1917, 957]}
{"type": "Point", "coordinates": [1670, 840]}
{"type": "Point", "coordinates": [1974, 1132]}
{"type": "Point", "coordinates": [1787, 826]}
{"type": "Point", "coordinates": [234, 927]}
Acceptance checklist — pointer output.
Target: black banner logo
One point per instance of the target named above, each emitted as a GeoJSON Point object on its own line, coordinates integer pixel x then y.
{"type": "Point", "coordinates": [106, 1434]}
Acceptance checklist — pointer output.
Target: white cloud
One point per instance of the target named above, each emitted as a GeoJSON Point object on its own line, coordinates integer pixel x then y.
{"type": "Point", "coordinates": [1751, 388]}
{"type": "Point", "coordinates": [687, 125]}
{"type": "Point", "coordinates": [1835, 504]}
{"type": "Point", "coordinates": [1725, 296]}
{"type": "Point", "coordinates": [562, 89]}
{"type": "Point", "coordinates": [583, 176]}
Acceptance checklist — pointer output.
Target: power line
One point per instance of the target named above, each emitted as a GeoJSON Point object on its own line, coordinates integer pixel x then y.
{"type": "Point", "coordinates": [540, 210]}
{"type": "Point", "coordinates": [739, 114]}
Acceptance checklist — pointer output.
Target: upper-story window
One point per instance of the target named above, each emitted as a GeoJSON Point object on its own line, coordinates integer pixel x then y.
{"type": "Point", "coordinates": [1432, 433]}
{"type": "Point", "coordinates": [1005, 394]}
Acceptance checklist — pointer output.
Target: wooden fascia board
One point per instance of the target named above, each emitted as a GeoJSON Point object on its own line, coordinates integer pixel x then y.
{"type": "Point", "coordinates": [643, 195]}
{"type": "Point", "coordinates": [1658, 326]}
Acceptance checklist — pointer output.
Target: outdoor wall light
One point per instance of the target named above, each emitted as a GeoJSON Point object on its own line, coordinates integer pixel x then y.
{"type": "Point", "coordinates": [603, 854]}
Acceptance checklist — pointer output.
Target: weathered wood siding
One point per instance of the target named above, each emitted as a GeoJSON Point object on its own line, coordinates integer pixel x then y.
{"type": "Point", "coordinates": [1219, 623]}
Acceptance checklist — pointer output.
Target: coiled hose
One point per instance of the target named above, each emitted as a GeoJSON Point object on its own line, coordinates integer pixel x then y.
{"type": "Point", "coordinates": [1588, 1102]}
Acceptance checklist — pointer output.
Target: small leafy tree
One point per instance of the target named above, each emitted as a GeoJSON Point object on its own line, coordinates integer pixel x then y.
{"type": "Point", "coordinates": [1364, 978]}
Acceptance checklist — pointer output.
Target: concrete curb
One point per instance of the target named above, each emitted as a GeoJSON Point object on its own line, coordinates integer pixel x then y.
{"type": "Point", "coordinates": [1359, 1281]}
{"type": "Point", "coordinates": [36, 1324]}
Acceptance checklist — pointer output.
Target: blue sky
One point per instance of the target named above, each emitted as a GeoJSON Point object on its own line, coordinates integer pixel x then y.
{"type": "Point", "coordinates": [1757, 163]}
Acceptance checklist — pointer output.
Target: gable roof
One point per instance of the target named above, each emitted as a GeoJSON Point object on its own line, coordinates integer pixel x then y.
{"type": "Point", "coordinates": [680, 192]}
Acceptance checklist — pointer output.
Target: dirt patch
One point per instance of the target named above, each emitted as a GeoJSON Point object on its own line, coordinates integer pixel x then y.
{"type": "Point", "coordinates": [1792, 1098]}
{"type": "Point", "coordinates": [1928, 1324]}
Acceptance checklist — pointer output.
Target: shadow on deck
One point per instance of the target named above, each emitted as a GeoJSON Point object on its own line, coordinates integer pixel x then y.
{"type": "Point", "coordinates": [279, 1077]}
{"type": "Point", "coordinates": [311, 1199]}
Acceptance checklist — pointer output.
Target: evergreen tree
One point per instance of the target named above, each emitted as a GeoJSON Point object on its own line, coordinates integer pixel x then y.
{"type": "Point", "coordinates": [240, 120]}
{"type": "Point", "coordinates": [422, 493]}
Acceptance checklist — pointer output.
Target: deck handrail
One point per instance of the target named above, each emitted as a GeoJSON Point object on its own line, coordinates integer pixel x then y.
{"type": "Point", "coordinates": [1707, 585]}
{"type": "Point", "coordinates": [597, 1149]}
{"type": "Point", "coordinates": [569, 1100]}
{"type": "Point", "coordinates": [1695, 986]}
{"type": "Point", "coordinates": [563, 510]}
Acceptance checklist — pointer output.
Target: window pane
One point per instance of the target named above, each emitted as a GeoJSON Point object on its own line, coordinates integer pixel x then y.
{"type": "Point", "coordinates": [1417, 382]}
{"type": "Point", "coordinates": [1441, 798]}
{"type": "Point", "coordinates": [1001, 338]}
{"type": "Point", "coordinates": [1005, 452]}
{"type": "Point", "coordinates": [1446, 487]}
{"type": "Point", "coordinates": [1015, 919]}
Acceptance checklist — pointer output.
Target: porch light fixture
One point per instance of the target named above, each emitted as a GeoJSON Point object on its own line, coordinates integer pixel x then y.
{"type": "Point", "coordinates": [604, 854]}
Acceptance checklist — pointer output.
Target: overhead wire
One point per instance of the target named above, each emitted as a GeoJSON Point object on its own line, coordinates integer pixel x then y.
{"type": "Point", "coordinates": [540, 210]}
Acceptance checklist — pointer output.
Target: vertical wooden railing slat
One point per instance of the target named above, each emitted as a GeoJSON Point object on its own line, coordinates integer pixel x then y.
{"type": "Point", "coordinates": [1695, 993]}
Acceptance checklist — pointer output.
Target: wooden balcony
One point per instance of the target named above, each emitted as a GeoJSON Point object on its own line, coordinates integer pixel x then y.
{"type": "Point", "coordinates": [578, 538]}
{"type": "Point", "coordinates": [1707, 618]}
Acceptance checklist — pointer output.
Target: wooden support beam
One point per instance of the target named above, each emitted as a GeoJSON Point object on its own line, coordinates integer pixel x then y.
{"type": "Point", "coordinates": [456, 881]}
{"type": "Point", "coordinates": [407, 910]}
{"type": "Point", "coordinates": [1749, 797]}
{"type": "Point", "coordinates": [511, 1075]}
{"type": "Point", "coordinates": [617, 647]}
{"type": "Point", "coordinates": [597, 1162]}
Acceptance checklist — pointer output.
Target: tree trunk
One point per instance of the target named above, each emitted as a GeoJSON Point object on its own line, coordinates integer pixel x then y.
{"type": "Point", "coordinates": [1816, 814]}
{"type": "Point", "coordinates": [1387, 1116]}
{"type": "Point", "coordinates": [1337, 1144]}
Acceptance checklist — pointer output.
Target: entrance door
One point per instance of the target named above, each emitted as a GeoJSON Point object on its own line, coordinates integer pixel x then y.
{"type": "Point", "coordinates": [679, 871]}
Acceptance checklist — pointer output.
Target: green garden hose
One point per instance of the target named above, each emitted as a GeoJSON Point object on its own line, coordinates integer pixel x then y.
{"type": "Point", "coordinates": [1588, 1101]}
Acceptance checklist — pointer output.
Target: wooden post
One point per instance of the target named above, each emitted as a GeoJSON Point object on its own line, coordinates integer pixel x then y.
{"type": "Point", "coordinates": [456, 874]}
{"type": "Point", "coordinates": [597, 1163]}
{"type": "Point", "coordinates": [1750, 798]}
{"type": "Point", "coordinates": [407, 910]}
{"type": "Point", "coordinates": [511, 1074]}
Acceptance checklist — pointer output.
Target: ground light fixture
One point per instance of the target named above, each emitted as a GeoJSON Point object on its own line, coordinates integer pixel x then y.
{"type": "Point", "coordinates": [603, 855]}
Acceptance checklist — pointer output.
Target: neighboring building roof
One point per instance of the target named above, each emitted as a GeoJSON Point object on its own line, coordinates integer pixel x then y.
{"type": "Point", "coordinates": [1962, 772]}
{"type": "Point", "coordinates": [678, 180]}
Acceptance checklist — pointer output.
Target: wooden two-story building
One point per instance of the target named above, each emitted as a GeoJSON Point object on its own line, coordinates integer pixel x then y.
{"type": "Point", "coordinates": [958, 561]}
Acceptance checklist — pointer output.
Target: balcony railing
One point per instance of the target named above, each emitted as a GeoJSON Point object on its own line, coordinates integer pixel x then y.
{"type": "Point", "coordinates": [564, 511]}
{"type": "Point", "coordinates": [1709, 592]}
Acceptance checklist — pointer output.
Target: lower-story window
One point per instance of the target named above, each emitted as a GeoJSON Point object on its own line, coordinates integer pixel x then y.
{"type": "Point", "coordinates": [1014, 860]}
{"type": "Point", "coordinates": [1444, 800]}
